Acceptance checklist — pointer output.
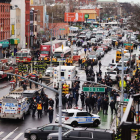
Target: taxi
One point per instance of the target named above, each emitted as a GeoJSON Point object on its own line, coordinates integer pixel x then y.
{"type": "Point", "coordinates": [75, 117]}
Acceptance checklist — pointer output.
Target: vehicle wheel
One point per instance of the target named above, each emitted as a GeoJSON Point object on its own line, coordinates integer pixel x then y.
{"type": "Point", "coordinates": [96, 123]}
{"type": "Point", "coordinates": [33, 137]}
{"type": "Point", "coordinates": [74, 124]}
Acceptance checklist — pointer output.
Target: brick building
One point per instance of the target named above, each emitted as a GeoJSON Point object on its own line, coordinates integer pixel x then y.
{"type": "Point", "coordinates": [5, 19]}
{"type": "Point", "coordinates": [4, 25]}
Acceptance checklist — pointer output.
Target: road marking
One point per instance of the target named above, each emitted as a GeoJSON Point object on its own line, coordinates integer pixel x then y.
{"type": "Point", "coordinates": [9, 134]}
{"type": "Point", "coordinates": [19, 135]}
{"type": "Point", "coordinates": [1, 133]}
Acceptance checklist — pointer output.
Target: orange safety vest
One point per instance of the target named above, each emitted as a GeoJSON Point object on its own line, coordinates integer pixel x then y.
{"type": "Point", "coordinates": [39, 106]}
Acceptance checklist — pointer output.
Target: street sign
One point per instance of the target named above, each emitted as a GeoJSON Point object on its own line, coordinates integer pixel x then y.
{"type": "Point", "coordinates": [128, 44]}
{"type": "Point", "coordinates": [86, 15]}
{"type": "Point", "coordinates": [62, 54]}
{"type": "Point", "coordinates": [93, 89]}
{"type": "Point", "coordinates": [62, 29]}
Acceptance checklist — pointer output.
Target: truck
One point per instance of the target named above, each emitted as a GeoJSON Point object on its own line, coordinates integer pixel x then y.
{"type": "Point", "coordinates": [68, 73]}
{"type": "Point", "coordinates": [23, 56]}
{"type": "Point", "coordinates": [45, 48]}
{"type": "Point", "coordinates": [5, 68]}
{"type": "Point", "coordinates": [14, 106]}
{"type": "Point", "coordinates": [17, 104]}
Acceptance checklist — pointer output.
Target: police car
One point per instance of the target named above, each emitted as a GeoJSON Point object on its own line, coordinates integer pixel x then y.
{"type": "Point", "coordinates": [75, 117]}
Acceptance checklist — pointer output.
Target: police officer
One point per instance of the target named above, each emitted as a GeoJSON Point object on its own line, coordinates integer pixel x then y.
{"type": "Point", "coordinates": [87, 101]}
{"type": "Point", "coordinates": [39, 109]}
{"type": "Point", "coordinates": [50, 110]}
{"type": "Point", "coordinates": [51, 102]}
{"type": "Point", "coordinates": [34, 107]}
{"type": "Point", "coordinates": [82, 98]}
{"type": "Point", "coordinates": [112, 106]}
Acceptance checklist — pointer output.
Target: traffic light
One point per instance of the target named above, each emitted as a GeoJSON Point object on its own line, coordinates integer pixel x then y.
{"type": "Point", "coordinates": [65, 89]}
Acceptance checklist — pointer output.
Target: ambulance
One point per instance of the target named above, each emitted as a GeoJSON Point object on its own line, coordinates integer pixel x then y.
{"type": "Point", "coordinates": [68, 73]}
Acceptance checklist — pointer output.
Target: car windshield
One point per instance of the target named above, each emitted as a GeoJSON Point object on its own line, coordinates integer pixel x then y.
{"type": "Point", "coordinates": [111, 72]}
{"type": "Point", "coordinates": [44, 52]}
{"type": "Point", "coordinates": [111, 65]}
{"type": "Point", "coordinates": [49, 68]}
{"type": "Point", "coordinates": [66, 114]}
{"type": "Point", "coordinates": [92, 56]}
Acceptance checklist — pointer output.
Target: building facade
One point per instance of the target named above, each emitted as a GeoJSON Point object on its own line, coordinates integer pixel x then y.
{"type": "Point", "coordinates": [21, 5]}
{"type": "Point", "coordinates": [4, 25]}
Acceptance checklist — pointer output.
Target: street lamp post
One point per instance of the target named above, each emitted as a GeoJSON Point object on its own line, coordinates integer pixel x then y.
{"type": "Point", "coordinates": [28, 35]}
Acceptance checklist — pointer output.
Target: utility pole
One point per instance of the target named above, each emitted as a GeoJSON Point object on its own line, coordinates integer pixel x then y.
{"type": "Point", "coordinates": [60, 102]}
{"type": "Point", "coordinates": [122, 80]}
{"type": "Point", "coordinates": [130, 52]}
{"type": "Point", "coordinates": [51, 47]}
{"type": "Point", "coordinates": [28, 35]}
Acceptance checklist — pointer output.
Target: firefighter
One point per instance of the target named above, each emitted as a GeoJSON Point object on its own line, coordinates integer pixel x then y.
{"type": "Point", "coordinates": [39, 109]}
{"type": "Point", "coordinates": [40, 77]}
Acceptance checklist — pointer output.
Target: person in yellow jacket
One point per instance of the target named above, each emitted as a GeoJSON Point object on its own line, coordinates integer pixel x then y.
{"type": "Point", "coordinates": [39, 109]}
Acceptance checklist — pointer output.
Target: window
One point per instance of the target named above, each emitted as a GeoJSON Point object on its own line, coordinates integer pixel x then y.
{"type": "Point", "coordinates": [56, 128]}
{"type": "Point", "coordinates": [66, 114]}
{"type": "Point", "coordinates": [73, 134]}
{"type": "Point", "coordinates": [85, 134]}
{"type": "Point", "coordinates": [35, 17]}
{"type": "Point", "coordinates": [62, 73]}
{"type": "Point", "coordinates": [83, 114]}
{"type": "Point", "coordinates": [65, 129]}
{"type": "Point", "coordinates": [48, 128]}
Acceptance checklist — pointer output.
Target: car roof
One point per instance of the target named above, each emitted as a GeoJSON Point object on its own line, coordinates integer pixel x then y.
{"type": "Point", "coordinates": [72, 110]}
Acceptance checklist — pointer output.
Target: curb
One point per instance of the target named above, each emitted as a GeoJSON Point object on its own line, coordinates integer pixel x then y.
{"type": "Point", "coordinates": [4, 86]}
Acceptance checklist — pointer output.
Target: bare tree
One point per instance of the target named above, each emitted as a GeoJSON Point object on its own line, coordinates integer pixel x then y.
{"type": "Point", "coordinates": [134, 22]}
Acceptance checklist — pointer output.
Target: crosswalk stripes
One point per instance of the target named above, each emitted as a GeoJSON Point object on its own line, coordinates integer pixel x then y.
{"type": "Point", "coordinates": [12, 135]}
{"type": "Point", "coordinates": [18, 136]}
{"type": "Point", "coordinates": [1, 133]}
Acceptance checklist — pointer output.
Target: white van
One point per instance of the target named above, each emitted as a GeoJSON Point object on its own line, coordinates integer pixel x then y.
{"type": "Point", "coordinates": [68, 73]}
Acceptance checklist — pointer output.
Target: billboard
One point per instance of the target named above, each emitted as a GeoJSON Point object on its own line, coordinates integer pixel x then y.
{"type": "Point", "coordinates": [74, 17]}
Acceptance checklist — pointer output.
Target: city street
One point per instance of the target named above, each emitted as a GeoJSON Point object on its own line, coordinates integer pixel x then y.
{"type": "Point", "coordinates": [15, 128]}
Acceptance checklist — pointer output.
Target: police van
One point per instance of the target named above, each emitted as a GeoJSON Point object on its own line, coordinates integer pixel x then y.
{"type": "Point", "coordinates": [68, 73]}
{"type": "Point", "coordinates": [75, 117]}
{"type": "Point", "coordinates": [14, 106]}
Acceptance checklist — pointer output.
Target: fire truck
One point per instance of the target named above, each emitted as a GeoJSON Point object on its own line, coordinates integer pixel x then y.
{"type": "Point", "coordinates": [5, 68]}
{"type": "Point", "coordinates": [24, 55]}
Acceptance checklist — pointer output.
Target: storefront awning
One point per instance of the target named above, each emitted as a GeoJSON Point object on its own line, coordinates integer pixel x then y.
{"type": "Point", "coordinates": [4, 43]}
{"type": "Point", "coordinates": [14, 41]}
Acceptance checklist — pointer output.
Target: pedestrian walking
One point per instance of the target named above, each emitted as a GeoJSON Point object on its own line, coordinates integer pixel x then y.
{"type": "Point", "coordinates": [82, 98]}
{"type": "Point", "coordinates": [36, 80]}
{"type": "Point", "coordinates": [50, 110]}
{"type": "Point", "coordinates": [105, 107]}
{"type": "Point", "coordinates": [100, 65]}
{"type": "Point", "coordinates": [34, 107]}
{"type": "Point", "coordinates": [87, 102]}
{"type": "Point", "coordinates": [39, 109]}
{"type": "Point", "coordinates": [64, 100]}
{"type": "Point", "coordinates": [56, 100]}
{"type": "Point", "coordinates": [85, 50]}
{"type": "Point", "coordinates": [92, 101]}
{"type": "Point", "coordinates": [70, 100]}
{"type": "Point", "coordinates": [99, 103]}
{"type": "Point", "coordinates": [51, 102]}
{"type": "Point", "coordinates": [112, 106]}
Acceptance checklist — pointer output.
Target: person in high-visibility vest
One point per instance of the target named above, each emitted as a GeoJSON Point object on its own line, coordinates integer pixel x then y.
{"type": "Point", "coordinates": [45, 58]}
{"type": "Point", "coordinates": [39, 109]}
{"type": "Point", "coordinates": [40, 77]}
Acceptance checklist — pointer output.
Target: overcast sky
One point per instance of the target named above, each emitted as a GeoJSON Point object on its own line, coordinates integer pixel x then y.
{"type": "Point", "coordinates": [135, 1]}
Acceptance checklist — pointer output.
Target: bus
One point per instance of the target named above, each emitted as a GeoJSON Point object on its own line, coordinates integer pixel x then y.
{"type": "Point", "coordinates": [59, 51]}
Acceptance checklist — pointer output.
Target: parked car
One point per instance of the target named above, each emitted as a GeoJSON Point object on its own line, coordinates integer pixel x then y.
{"type": "Point", "coordinates": [84, 134]}
{"type": "Point", "coordinates": [101, 52]}
{"type": "Point", "coordinates": [112, 75]}
{"type": "Point", "coordinates": [41, 133]}
{"type": "Point", "coordinates": [112, 66]}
